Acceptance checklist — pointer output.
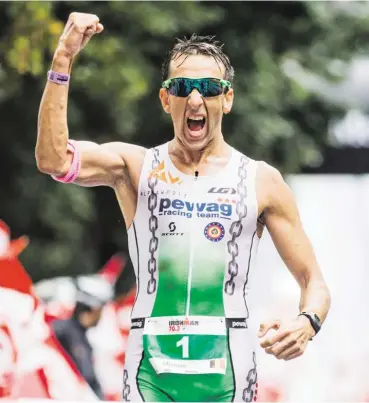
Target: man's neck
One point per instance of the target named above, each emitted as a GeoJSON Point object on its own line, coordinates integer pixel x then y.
{"type": "Point", "coordinates": [215, 148]}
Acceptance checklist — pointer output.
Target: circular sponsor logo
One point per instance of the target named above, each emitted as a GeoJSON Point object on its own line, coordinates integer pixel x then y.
{"type": "Point", "coordinates": [214, 232]}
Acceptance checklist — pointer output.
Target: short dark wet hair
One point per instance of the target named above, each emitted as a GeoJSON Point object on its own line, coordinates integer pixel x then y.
{"type": "Point", "coordinates": [198, 45]}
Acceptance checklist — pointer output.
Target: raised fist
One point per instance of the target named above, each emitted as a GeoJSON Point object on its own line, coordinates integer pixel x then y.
{"type": "Point", "coordinates": [77, 32]}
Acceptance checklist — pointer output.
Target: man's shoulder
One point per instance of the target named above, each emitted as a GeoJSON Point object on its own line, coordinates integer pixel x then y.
{"type": "Point", "coordinates": [269, 182]}
{"type": "Point", "coordinates": [268, 173]}
{"type": "Point", "coordinates": [264, 171]}
{"type": "Point", "coordinates": [272, 186]}
{"type": "Point", "coordinates": [158, 151]}
{"type": "Point", "coordinates": [241, 154]}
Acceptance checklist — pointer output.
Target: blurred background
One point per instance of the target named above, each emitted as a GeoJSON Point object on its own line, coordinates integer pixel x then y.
{"type": "Point", "coordinates": [302, 103]}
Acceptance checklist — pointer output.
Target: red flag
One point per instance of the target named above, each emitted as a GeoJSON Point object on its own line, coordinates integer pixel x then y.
{"type": "Point", "coordinates": [113, 268]}
{"type": "Point", "coordinates": [8, 358]}
{"type": "Point", "coordinates": [114, 324]}
{"type": "Point", "coordinates": [42, 368]}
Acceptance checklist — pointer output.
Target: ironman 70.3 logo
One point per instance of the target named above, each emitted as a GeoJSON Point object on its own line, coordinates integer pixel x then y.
{"type": "Point", "coordinates": [214, 232]}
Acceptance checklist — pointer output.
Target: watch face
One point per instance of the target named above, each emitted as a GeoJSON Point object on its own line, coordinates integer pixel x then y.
{"type": "Point", "coordinates": [312, 315]}
{"type": "Point", "coordinates": [316, 318]}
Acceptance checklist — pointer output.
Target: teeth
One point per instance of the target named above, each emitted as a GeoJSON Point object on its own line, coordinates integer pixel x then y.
{"type": "Point", "coordinates": [196, 118]}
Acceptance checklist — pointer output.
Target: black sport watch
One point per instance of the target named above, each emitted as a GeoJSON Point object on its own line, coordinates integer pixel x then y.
{"type": "Point", "coordinates": [314, 320]}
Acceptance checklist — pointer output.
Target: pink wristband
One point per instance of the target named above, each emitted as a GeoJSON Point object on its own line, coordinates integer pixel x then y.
{"type": "Point", "coordinates": [75, 166]}
{"type": "Point", "coordinates": [58, 78]}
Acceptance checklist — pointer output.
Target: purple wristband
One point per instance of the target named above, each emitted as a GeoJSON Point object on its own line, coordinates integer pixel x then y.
{"type": "Point", "coordinates": [58, 78]}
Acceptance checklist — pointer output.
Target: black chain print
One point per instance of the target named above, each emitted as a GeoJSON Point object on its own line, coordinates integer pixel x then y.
{"type": "Point", "coordinates": [236, 227]}
{"type": "Point", "coordinates": [126, 387]}
{"type": "Point", "coordinates": [153, 225]}
{"type": "Point", "coordinates": [251, 379]}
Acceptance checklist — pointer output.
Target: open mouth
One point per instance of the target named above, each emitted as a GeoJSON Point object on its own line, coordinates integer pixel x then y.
{"type": "Point", "coordinates": [196, 125]}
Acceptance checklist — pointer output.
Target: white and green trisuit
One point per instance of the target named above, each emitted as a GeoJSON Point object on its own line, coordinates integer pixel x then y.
{"type": "Point", "coordinates": [193, 244]}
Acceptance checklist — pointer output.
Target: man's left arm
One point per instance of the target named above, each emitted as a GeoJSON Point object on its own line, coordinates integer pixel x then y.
{"type": "Point", "coordinates": [284, 225]}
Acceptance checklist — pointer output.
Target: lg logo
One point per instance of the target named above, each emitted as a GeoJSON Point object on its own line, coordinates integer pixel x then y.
{"type": "Point", "coordinates": [172, 227]}
{"type": "Point", "coordinates": [222, 190]}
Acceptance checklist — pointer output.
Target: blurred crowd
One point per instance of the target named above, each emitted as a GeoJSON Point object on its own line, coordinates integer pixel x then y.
{"type": "Point", "coordinates": [61, 338]}
{"type": "Point", "coordinates": [64, 338]}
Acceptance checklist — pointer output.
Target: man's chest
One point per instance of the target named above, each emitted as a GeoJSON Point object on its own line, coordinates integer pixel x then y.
{"type": "Point", "coordinates": [189, 205]}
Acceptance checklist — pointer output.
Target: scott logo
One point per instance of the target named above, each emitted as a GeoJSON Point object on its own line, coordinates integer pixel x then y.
{"type": "Point", "coordinates": [222, 190]}
{"type": "Point", "coordinates": [172, 227]}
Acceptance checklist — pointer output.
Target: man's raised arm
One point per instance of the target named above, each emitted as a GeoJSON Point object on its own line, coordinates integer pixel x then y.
{"type": "Point", "coordinates": [85, 163]}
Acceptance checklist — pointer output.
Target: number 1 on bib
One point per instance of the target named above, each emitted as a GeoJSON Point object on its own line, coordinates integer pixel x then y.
{"type": "Point", "coordinates": [185, 344]}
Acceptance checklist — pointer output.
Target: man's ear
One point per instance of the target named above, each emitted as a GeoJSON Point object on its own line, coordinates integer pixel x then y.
{"type": "Point", "coordinates": [164, 99]}
{"type": "Point", "coordinates": [228, 101]}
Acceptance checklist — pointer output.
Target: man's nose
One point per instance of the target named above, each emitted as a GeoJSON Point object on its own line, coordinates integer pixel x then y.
{"type": "Point", "coordinates": [195, 99]}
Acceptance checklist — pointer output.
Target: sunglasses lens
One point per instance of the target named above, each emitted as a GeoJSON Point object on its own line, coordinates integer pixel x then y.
{"type": "Point", "coordinates": [212, 88]}
{"type": "Point", "coordinates": [180, 87]}
{"type": "Point", "coordinates": [207, 87]}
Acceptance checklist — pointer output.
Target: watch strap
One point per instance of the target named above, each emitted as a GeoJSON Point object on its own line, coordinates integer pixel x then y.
{"type": "Point", "coordinates": [313, 319]}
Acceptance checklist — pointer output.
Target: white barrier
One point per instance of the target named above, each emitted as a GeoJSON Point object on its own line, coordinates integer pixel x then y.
{"type": "Point", "coordinates": [335, 214]}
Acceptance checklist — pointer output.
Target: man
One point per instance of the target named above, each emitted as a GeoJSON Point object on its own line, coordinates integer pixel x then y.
{"type": "Point", "coordinates": [194, 208]}
{"type": "Point", "coordinates": [92, 293]}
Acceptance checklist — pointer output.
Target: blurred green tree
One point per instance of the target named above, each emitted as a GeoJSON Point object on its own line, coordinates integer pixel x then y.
{"type": "Point", "coordinates": [114, 96]}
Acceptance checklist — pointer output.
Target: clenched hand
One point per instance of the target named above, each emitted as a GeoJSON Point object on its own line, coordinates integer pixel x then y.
{"type": "Point", "coordinates": [290, 339]}
{"type": "Point", "coordinates": [78, 30]}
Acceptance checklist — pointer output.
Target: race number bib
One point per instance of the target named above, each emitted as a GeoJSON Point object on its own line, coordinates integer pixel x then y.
{"type": "Point", "coordinates": [186, 345]}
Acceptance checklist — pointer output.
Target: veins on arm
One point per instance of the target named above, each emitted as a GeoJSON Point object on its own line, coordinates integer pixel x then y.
{"type": "Point", "coordinates": [283, 221]}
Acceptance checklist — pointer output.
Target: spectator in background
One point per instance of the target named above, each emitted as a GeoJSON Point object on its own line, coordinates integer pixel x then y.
{"type": "Point", "coordinates": [93, 292]}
